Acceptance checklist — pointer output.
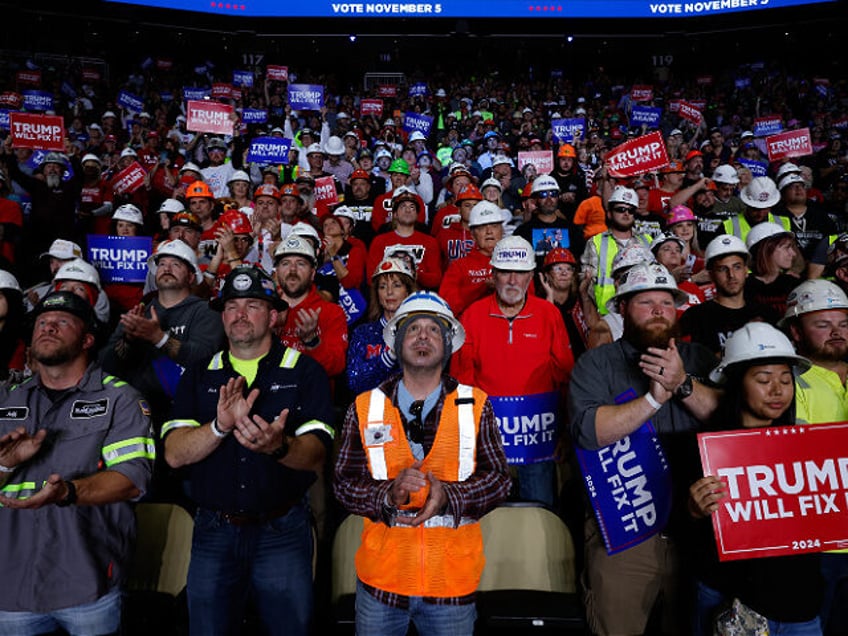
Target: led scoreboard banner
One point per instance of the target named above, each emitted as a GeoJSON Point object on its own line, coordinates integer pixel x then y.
{"type": "Point", "coordinates": [471, 8]}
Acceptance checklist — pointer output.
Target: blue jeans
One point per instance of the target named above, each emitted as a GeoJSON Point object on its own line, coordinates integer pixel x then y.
{"type": "Point", "coordinates": [270, 562]}
{"type": "Point", "coordinates": [708, 603]}
{"type": "Point", "coordinates": [536, 482]}
{"type": "Point", "coordinates": [834, 569]}
{"type": "Point", "coordinates": [807, 628]}
{"type": "Point", "coordinates": [374, 617]}
{"type": "Point", "coordinates": [100, 618]}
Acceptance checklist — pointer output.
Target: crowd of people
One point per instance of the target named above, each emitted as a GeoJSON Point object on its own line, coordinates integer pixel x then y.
{"type": "Point", "coordinates": [440, 333]}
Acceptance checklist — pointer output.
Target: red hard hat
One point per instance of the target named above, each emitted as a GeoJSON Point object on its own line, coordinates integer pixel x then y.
{"type": "Point", "coordinates": [236, 221]}
{"type": "Point", "coordinates": [469, 193]}
{"type": "Point", "coordinates": [559, 255]}
{"type": "Point", "coordinates": [359, 174]}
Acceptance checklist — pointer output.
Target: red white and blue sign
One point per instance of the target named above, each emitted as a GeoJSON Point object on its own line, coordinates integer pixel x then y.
{"type": "Point", "coordinates": [616, 9]}
{"type": "Point", "coordinates": [786, 489]}
{"type": "Point", "coordinates": [645, 115]}
{"type": "Point", "coordinates": [306, 96]}
{"type": "Point", "coordinates": [629, 486]}
{"type": "Point", "coordinates": [529, 426]}
{"type": "Point", "coordinates": [120, 259]}
{"type": "Point", "coordinates": [567, 130]}
{"type": "Point", "coordinates": [416, 121]}
{"type": "Point", "coordinates": [130, 102]}
{"type": "Point", "coordinates": [269, 150]}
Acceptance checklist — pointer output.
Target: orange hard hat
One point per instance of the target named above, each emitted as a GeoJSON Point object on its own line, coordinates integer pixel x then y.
{"type": "Point", "coordinates": [200, 190]}
{"type": "Point", "coordinates": [567, 150]}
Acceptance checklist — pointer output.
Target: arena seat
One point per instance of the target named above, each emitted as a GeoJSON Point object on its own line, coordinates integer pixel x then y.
{"type": "Point", "coordinates": [155, 591]}
{"type": "Point", "coordinates": [529, 582]}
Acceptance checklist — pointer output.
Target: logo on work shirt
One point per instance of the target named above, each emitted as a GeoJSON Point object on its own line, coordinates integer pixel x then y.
{"type": "Point", "coordinates": [14, 413]}
{"type": "Point", "coordinates": [83, 409]}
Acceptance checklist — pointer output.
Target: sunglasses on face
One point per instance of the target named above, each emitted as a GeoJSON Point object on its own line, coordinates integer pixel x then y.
{"type": "Point", "coordinates": [546, 194]}
{"type": "Point", "coordinates": [622, 209]}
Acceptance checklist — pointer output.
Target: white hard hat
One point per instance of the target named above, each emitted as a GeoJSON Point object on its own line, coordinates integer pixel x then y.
{"type": "Point", "coordinates": [491, 181]}
{"type": "Point", "coordinates": [128, 212]}
{"type": "Point", "coordinates": [180, 250]}
{"type": "Point", "coordinates": [757, 341]}
{"type": "Point", "coordinates": [55, 157]}
{"type": "Point", "coordinates": [334, 146]}
{"type": "Point", "coordinates": [128, 152]}
{"type": "Point", "coordinates": [78, 269]}
{"type": "Point", "coordinates": [302, 228]}
{"type": "Point", "coordinates": [813, 295]}
{"type": "Point", "coordinates": [91, 157]}
{"type": "Point", "coordinates": [785, 169]}
{"type": "Point", "coordinates": [9, 282]}
{"type": "Point", "coordinates": [346, 212]}
{"type": "Point", "coordinates": [417, 135]}
{"type": "Point", "coordinates": [393, 265]}
{"type": "Point", "coordinates": [189, 166]}
{"type": "Point", "coordinates": [314, 148]}
{"type": "Point", "coordinates": [725, 174]}
{"type": "Point", "coordinates": [644, 277]}
{"type": "Point", "coordinates": [789, 179]}
{"type": "Point", "coordinates": [627, 196]}
{"type": "Point", "coordinates": [484, 213]}
{"type": "Point", "coordinates": [666, 237]}
{"type": "Point", "coordinates": [294, 245]}
{"type": "Point", "coordinates": [424, 303]}
{"type": "Point", "coordinates": [63, 250]}
{"type": "Point", "coordinates": [513, 253]}
{"type": "Point", "coordinates": [760, 193]}
{"type": "Point", "coordinates": [724, 245]}
{"type": "Point", "coordinates": [544, 183]}
{"type": "Point", "coordinates": [171, 206]}
{"type": "Point", "coordinates": [632, 255]}
{"type": "Point", "coordinates": [762, 231]}
{"type": "Point", "coordinates": [382, 152]}
{"type": "Point", "coordinates": [501, 160]}
{"type": "Point", "coordinates": [239, 175]}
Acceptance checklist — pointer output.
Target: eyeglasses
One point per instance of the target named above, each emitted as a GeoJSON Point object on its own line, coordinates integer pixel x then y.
{"type": "Point", "coordinates": [546, 194]}
{"type": "Point", "coordinates": [623, 209]}
{"type": "Point", "coordinates": [415, 425]}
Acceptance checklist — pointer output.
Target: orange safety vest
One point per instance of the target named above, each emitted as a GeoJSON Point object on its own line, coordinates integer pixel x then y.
{"type": "Point", "coordinates": [435, 559]}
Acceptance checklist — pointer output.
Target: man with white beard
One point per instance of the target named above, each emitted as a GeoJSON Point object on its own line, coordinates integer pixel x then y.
{"type": "Point", "coordinates": [54, 201]}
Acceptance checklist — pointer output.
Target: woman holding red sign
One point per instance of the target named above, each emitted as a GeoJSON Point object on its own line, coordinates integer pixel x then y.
{"type": "Point", "coordinates": [782, 592]}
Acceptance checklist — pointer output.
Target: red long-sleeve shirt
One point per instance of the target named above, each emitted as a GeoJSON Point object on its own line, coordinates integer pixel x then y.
{"type": "Point", "coordinates": [527, 354]}
{"type": "Point", "coordinates": [424, 249]}
{"type": "Point", "coordinates": [332, 333]}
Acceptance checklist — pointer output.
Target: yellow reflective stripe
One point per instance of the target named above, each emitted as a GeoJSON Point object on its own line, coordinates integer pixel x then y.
{"type": "Point", "coordinates": [172, 424]}
{"type": "Point", "coordinates": [315, 425]}
{"type": "Point", "coordinates": [108, 379]}
{"type": "Point", "coordinates": [129, 449]}
{"type": "Point", "coordinates": [217, 362]}
{"type": "Point", "coordinates": [290, 358]}
{"type": "Point", "coordinates": [23, 490]}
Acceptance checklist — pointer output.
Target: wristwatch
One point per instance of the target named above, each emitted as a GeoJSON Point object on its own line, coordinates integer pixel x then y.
{"type": "Point", "coordinates": [685, 389]}
{"type": "Point", "coordinates": [281, 452]}
{"type": "Point", "coordinates": [70, 498]}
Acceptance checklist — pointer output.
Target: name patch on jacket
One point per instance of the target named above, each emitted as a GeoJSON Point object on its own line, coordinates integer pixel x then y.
{"type": "Point", "coordinates": [83, 409]}
{"type": "Point", "coordinates": [14, 413]}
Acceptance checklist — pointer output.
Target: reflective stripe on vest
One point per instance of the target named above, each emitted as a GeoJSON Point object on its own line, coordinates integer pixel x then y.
{"type": "Point", "coordinates": [605, 287]}
{"type": "Point", "coordinates": [467, 432]}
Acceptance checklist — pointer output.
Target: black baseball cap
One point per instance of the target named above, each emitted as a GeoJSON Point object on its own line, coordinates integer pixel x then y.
{"type": "Point", "coordinates": [68, 302]}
